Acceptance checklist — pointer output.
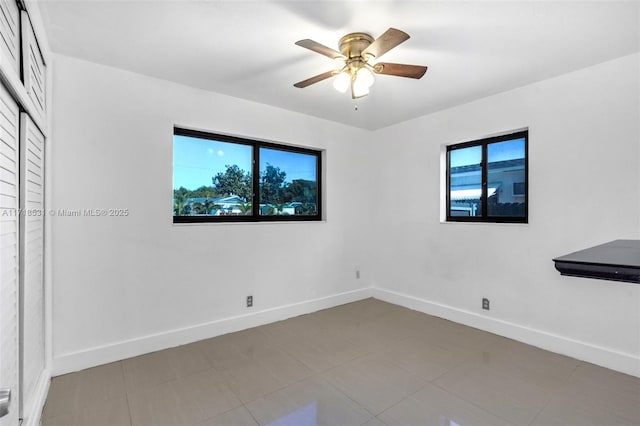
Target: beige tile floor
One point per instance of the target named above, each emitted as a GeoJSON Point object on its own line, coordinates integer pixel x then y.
{"type": "Point", "coordinates": [365, 363]}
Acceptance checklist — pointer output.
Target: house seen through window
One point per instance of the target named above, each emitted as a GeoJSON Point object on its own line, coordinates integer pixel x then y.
{"type": "Point", "coordinates": [487, 180]}
{"type": "Point", "coordinates": [219, 178]}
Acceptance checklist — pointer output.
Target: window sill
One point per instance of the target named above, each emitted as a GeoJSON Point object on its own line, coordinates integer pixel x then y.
{"type": "Point", "coordinates": [279, 222]}
{"type": "Point", "coordinates": [508, 224]}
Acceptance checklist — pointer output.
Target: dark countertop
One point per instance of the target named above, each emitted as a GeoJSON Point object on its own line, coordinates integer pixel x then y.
{"type": "Point", "coordinates": [617, 260]}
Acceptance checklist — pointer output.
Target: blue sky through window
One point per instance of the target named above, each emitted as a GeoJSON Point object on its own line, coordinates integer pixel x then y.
{"type": "Point", "coordinates": [196, 161]}
{"type": "Point", "coordinates": [498, 151]}
{"type": "Point", "coordinates": [296, 165]}
{"type": "Point", "coordinates": [504, 151]}
{"type": "Point", "coordinates": [466, 156]}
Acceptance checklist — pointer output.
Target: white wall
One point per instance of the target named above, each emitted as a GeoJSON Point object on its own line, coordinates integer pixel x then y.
{"type": "Point", "coordinates": [584, 163]}
{"type": "Point", "coordinates": [129, 285]}
{"type": "Point", "coordinates": [124, 286]}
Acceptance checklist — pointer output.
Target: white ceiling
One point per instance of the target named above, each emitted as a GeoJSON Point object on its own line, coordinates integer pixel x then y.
{"type": "Point", "coordinates": [246, 48]}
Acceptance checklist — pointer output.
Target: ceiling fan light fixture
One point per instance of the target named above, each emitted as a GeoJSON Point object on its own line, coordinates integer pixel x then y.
{"type": "Point", "coordinates": [342, 81]}
{"type": "Point", "coordinates": [356, 52]}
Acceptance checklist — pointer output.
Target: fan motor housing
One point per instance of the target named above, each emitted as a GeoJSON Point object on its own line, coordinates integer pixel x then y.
{"type": "Point", "coordinates": [353, 44]}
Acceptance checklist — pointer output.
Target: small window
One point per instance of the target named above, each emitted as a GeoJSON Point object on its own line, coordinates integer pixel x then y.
{"type": "Point", "coordinates": [219, 178]}
{"type": "Point", "coordinates": [518, 189]}
{"type": "Point", "coordinates": [487, 180]}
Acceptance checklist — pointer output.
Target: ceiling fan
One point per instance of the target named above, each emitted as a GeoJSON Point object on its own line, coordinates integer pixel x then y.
{"type": "Point", "coordinates": [357, 51]}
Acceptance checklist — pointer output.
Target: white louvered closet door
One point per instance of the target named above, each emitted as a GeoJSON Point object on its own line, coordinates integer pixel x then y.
{"type": "Point", "coordinates": [9, 253]}
{"type": "Point", "coordinates": [10, 34]}
{"type": "Point", "coordinates": [33, 65]}
{"type": "Point", "coordinates": [31, 256]}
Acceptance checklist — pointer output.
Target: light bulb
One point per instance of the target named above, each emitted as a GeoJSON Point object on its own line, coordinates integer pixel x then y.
{"type": "Point", "coordinates": [358, 89]}
{"type": "Point", "coordinates": [341, 82]}
{"type": "Point", "coordinates": [365, 77]}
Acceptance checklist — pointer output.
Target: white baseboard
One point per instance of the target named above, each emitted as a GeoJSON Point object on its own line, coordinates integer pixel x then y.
{"type": "Point", "coordinates": [75, 361]}
{"type": "Point", "coordinates": [623, 362]}
{"type": "Point", "coordinates": [33, 413]}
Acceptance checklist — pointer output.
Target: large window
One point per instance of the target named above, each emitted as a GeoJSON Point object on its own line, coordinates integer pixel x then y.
{"type": "Point", "coordinates": [487, 180]}
{"type": "Point", "coordinates": [219, 178]}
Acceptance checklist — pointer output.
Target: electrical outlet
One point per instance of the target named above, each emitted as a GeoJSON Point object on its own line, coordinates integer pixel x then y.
{"type": "Point", "coordinates": [485, 303]}
{"type": "Point", "coordinates": [357, 274]}
{"type": "Point", "coordinates": [249, 301]}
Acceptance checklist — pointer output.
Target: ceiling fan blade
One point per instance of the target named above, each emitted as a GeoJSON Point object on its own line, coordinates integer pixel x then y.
{"type": "Point", "coordinates": [320, 48]}
{"type": "Point", "coordinates": [316, 78]}
{"type": "Point", "coordinates": [387, 41]}
{"type": "Point", "coordinates": [400, 70]}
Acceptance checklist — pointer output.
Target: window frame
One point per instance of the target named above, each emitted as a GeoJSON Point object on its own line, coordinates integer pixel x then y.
{"type": "Point", "coordinates": [256, 145]}
{"type": "Point", "coordinates": [484, 143]}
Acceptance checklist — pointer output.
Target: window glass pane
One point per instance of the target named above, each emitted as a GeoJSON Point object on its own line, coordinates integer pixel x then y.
{"type": "Point", "coordinates": [211, 178]}
{"type": "Point", "coordinates": [288, 183]}
{"type": "Point", "coordinates": [506, 178]}
{"type": "Point", "coordinates": [465, 174]}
